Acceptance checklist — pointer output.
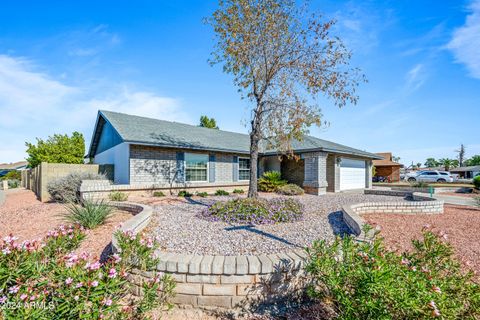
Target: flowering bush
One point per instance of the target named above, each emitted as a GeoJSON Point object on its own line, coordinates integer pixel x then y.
{"type": "Point", "coordinates": [256, 211]}
{"type": "Point", "coordinates": [364, 280]}
{"type": "Point", "coordinates": [45, 279]}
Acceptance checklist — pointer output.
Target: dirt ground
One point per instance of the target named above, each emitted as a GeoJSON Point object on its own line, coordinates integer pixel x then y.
{"type": "Point", "coordinates": [27, 218]}
{"type": "Point", "coordinates": [458, 223]}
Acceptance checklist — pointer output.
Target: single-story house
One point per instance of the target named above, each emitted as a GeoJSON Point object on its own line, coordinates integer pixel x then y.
{"type": "Point", "coordinates": [387, 167]}
{"type": "Point", "coordinates": [157, 154]}
{"type": "Point", "coordinates": [466, 172]}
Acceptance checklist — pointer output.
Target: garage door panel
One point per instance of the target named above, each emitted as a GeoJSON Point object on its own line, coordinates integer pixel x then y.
{"type": "Point", "coordinates": [352, 174]}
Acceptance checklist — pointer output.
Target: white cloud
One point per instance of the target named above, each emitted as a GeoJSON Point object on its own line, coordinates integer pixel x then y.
{"type": "Point", "coordinates": [415, 77]}
{"type": "Point", "coordinates": [33, 104]}
{"type": "Point", "coordinates": [465, 43]}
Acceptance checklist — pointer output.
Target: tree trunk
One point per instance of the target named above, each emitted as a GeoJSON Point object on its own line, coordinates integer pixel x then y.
{"type": "Point", "coordinates": [253, 185]}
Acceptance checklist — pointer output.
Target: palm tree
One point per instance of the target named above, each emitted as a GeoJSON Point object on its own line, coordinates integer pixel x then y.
{"type": "Point", "coordinates": [448, 163]}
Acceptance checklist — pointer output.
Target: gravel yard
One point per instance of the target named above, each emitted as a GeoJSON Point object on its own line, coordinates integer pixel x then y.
{"type": "Point", "coordinates": [459, 223]}
{"type": "Point", "coordinates": [180, 230]}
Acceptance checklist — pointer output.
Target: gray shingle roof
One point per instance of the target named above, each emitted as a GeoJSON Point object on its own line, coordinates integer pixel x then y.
{"type": "Point", "coordinates": [142, 130]}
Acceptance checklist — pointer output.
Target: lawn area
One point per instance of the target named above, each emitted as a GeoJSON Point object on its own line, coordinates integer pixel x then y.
{"type": "Point", "coordinates": [458, 224]}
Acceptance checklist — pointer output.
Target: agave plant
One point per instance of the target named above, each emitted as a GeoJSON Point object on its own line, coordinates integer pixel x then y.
{"type": "Point", "coordinates": [271, 181]}
{"type": "Point", "coordinates": [90, 214]}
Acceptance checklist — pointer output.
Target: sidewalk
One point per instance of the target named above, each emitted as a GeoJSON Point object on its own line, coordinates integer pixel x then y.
{"type": "Point", "coordinates": [463, 201]}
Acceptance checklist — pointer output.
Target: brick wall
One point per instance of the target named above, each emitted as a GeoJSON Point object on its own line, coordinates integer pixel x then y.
{"type": "Point", "coordinates": [158, 166]}
{"type": "Point", "coordinates": [293, 170]}
{"type": "Point", "coordinates": [315, 180]}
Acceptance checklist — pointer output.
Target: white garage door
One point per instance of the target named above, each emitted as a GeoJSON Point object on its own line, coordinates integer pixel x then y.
{"type": "Point", "coordinates": [352, 174]}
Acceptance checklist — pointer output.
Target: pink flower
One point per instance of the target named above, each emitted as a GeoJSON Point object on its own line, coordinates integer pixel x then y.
{"type": "Point", "coordinates": [116, 257]}
{"type": "Point", "coordinates": [94, 283]}
{"type": "Point", "coordinates": [76, 298]}
{"type": "Point", "coordinates": [435, 313]}
{"type": "Point", "coordinates": [23, 297]}
{"type": "Point", "coordinates": [6, 251]}
{"type": "Point", "coordinates": [79, 285]}
{"type": "Point", "coordinates": [32, 298]}
{"type": "Point", "coordinates": [405, 261]}
{"type": "Point", "coordinates": [437, 289]}
{"type": "Point", "coordinates": [107, 302]}
{"type": "Point", "coordinates": [432, 304]}
{"type": "Point", "coordinates": [3, 299]}
{"type": "Point", "coordinates": [112, 273]}
{"type": "Point", "coordinates": [93, 266]}
{"type": "Point", "coordinates": [68, 281]}
{"type": "Point", "coordinates": [13, 289]}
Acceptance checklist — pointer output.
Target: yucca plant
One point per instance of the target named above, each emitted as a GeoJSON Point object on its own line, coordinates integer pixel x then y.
{"type": "Point", "coordinates": [90, 214]}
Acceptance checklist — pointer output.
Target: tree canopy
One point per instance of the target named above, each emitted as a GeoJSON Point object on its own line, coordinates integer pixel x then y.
{"type": "Point", "coordinates": [207, 122]}
{"type": "Point", "coordinates": [281, 57]}
{"type": "Point", "coordinates": [58, 148]}
{"type": "Point", "coordinates": [473, 161]}
{"type": "Point", "coordinates": [431, 162]}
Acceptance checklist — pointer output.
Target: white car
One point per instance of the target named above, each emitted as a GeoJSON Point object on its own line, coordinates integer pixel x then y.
{"type": "Point", "coordinates": [430, 176]}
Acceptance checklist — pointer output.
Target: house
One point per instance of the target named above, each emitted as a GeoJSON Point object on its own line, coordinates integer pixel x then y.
{"type": "Point", "coordinates": [151, 153]}
{"type": "Point", "coordinates": [386, 167]}
{"type": "Point", "coordinates": [466, 172]}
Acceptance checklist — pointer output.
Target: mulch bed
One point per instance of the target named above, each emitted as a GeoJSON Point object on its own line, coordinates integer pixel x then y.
{"type": "Point", "coordinates": [458, 223]}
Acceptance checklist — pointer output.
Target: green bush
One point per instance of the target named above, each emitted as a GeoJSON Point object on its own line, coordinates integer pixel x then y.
{"type": "Point", "coordinates": [238, 191]}
{"type": "Point", "coordinates": [364, 280]}
{"type": "Point", "coordinates": [184, 193]}
{"type": "Point", "coordinates": [420, 184]}
{"type": "Point", "coordinates": [12, 175]}
{"type": "Point", "coordinates": [66, 189]}
{"type": "Point", "coordinates": [256, 211]}
{"type": "Point", "coordinates": [201, 194]}
{"type": "Point", "coordinates": [221, 192]}
{"type": "Point", "coordinates": [476, 182]}
{"type": "Point", "coordinates": [118, 196]}
{"type": "Point", "coordinates": [90, 214]}
{"type": "Point", "coordinates": [271, 181]}
{"type": "Point", "coordinates": [12, 184]}
{"type": "Point", "coordinates": [67, 285]}
{"type": "Point", "coordinates": [158, 194]}
{"type": "Point", "coordinates": [290, 190]}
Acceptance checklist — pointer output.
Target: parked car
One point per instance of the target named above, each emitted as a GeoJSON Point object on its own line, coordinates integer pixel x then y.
{"type": "Point", "coordinates": [430, 176]}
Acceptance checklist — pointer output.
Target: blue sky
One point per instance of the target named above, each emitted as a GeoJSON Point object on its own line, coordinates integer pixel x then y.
{"type": "Point", "coordinates": [62, 61]}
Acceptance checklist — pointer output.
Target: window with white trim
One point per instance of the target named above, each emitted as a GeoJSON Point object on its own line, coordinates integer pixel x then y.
{"type": "Point", "coordinates": [196, 167]}
{"type": "Point", "coordinates": [243, 169]}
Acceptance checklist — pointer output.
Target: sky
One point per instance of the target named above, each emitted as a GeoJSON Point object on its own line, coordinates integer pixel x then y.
{"type": "Point", "coordinates": [61, 61]}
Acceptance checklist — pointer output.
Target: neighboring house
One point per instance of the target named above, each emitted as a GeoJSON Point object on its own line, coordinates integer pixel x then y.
{"type": "Point", "coordinates": [466, 172]}
{"type": "Point", "coordinates": [387, 167]}
{"type": "Point", "coordinates": [151, 153]}
{"type": "Point", "coordinates": [7, 167]}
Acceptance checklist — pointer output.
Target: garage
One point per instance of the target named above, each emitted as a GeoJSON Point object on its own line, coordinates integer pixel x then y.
{"type": "Point", "coordinates": [352, 174]}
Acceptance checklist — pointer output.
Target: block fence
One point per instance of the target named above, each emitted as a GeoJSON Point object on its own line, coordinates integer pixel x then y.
{"type": "Point", "coordinates": [37, 179]}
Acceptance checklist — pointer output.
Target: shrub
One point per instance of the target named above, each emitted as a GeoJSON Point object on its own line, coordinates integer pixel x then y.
{"type": "Point", "coordinates": [184, 193]}
{"type": "Point", "coordinates": [66, 189]}
{"type": "Point", "coordinates": [290, 190]}
{"type": "Point", "coordinates": [158, 194]}
{"type": "Point", "coordinates": [364, 280]}
{"type": "Point", "coordinates": [201, 194]}
{"type": "Point", "coordinates": [12, 184]}
{"type": "Point", "coordinates": [239, 191]}
{"type": "Point", "coordinates": [271, 181]}
{"type": "Point", "coordinates": [256, 211]}
{"type": "Point", "coordinates": [118, 196]}
{"type": "Point", "coordinates": [476, 182]}
{"type": "Point", "coordinates": [477, 201]}
{"type": "Point", "coordinates": [90, 214]}
{"type": "Point", "coordinates": [12, 175]}
{"type": "Point", "coordinates": [66, 285]}
{"type": "Point", "coordinates": [221, 192]}
{"type": "Point", "coordinates": [420, 184]}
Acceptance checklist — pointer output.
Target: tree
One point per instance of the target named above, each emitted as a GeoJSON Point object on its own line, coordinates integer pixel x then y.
{"type": "Point", "coordinates": [431, 162]}
{"type": "Point", "coordinates": [395, 159]}
{"type": "Point", "coordinates": [419, 165]}
{"type": "Point", "coordinates": [281, 61]}
{"type": "Point", "coordinates": [461, 154]}
{"type": "Point", "coordinates": [448, 163]}
{"type": "Point", "coordinates": [57, 149]}
{"type": "Point", "coordinates": [473, 161]}
{"type": "Point", "coordinates": [207, 122]}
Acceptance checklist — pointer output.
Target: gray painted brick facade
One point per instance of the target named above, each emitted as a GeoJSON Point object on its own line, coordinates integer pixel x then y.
{"type": "Point", "coordinates": [315, 172]}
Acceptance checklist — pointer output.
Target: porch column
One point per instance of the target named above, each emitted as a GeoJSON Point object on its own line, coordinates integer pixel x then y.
{"type": "Point", "coordinates": [315, 181]}
{"type": "Point", "coordinates": [368, 175]}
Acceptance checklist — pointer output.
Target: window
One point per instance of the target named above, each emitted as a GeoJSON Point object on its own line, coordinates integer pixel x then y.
{"type": "Point", "coordinates": [196, 167]}
{"type": "Point", "coordinates": [243, 169]}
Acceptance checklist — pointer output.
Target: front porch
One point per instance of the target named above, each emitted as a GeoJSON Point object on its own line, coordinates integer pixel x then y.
{"type": "Point", "coordinates": [321, 172]}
